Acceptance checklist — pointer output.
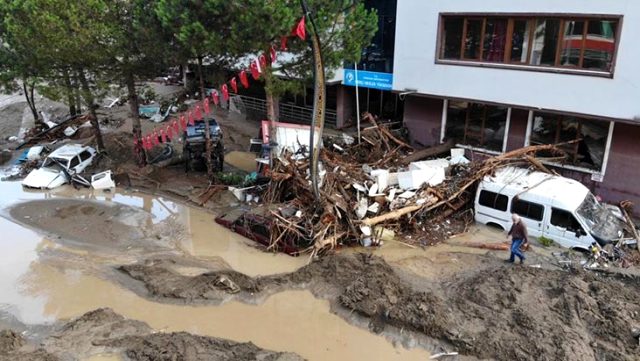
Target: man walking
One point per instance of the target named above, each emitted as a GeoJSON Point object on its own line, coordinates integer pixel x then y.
{"type": "Point", "coordinates": [519, 236]}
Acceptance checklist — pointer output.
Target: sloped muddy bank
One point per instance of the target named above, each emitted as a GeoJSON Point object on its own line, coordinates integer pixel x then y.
{"type": "Point", "coordinates": [104, 331]}
{"type": "Point", "coordinates": [501, 312]}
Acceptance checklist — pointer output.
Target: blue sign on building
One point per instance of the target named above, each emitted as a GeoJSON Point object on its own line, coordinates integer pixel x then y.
{"type": "Point", "coordinates": [368, 79]}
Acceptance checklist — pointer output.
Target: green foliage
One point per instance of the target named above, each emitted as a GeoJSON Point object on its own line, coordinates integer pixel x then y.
{"type": "Point", "coordinates": [230, 178]}
{"type": "Point", "coordinates": [344, 27]}
{"type": "Point", "coordinates": [547, 242]}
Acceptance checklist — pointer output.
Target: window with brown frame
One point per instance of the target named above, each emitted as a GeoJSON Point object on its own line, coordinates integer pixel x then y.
{"type": "Point", "coordinates": [583, 140]}
{"type": "Point", "coordinates": [542, 41]}
{"type": "Point", "coordinates": [476, 125]}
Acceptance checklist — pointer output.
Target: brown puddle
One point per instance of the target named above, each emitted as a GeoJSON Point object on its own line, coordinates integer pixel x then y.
{"type": "Point", "coordinates": [242, 160]}
{"type": "Point", "coordinates": [35, 291]}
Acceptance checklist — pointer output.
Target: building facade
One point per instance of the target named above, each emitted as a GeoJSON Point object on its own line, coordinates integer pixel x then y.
{"type": "Point", "coordinates": [497, 75]}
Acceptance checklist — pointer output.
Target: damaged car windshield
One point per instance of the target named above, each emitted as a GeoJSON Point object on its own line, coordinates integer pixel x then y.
{"type": "Point", "coordinates": [55, 163]}
{"type": "Point", "coordinates": [601, 221]}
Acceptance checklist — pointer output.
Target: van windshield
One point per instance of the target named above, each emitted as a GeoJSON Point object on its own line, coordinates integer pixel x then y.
{"type": "Point", "coordinates": [602, 223]}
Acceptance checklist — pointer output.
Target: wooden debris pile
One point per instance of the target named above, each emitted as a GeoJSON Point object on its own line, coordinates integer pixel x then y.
{"type": "Point", "coordinates": [360, 195]}
{"type": "Point", "coordinates": [54, 131]}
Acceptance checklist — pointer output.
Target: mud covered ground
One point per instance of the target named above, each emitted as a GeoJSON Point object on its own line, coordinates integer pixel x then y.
{"type": "Point", "coordinates": [103, 331]}
{"type": "Point", "coordinates": [497, 311]}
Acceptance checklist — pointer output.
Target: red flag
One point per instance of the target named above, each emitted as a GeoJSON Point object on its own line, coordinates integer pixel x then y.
{"type": "Point", "coordinates": [192, 121]}
{"type": "Point", "coordinates": [225, 92]}
{"type": "Point", "coordinates": [243, 79]}
{"type": "Point", "coordinates": [255, 69]}
{"type": "Point", "coordinates": [183, 122]}
{"type": "Point", "coordinates": [147, 142]}
{"type": "Point", "coordinates": [163, 136]}
{"type": "Point", "coordinates": [263, 62]}
{"type": "Point", "coordinates": [216, 98]}
{"type": "Point", "coordinates": [198, 113]}
{"type": "Point", "coordinates": [205, 105]}
{"type": "Point", "coordinates": [283, 43]}
{"type": "Point", "coordinates": [169, 132]}
{"type": "Point", "coordinates": [155, 137]}
{"type": "Point", "coordinates": [300, 30]}
{"type": "Point", "coordinates": [273, 54]}
{"type": "Point", "coordinates": [234, 85]}
{"type": "Point", "coordinates": [176, 127]}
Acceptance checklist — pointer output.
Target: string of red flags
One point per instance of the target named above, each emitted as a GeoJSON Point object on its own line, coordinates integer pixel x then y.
{"type": "Point", "coordinates": [243, 79]}
{"type": "Point", "coordinates": [256, 68]}
{"type": "Point", "coordinates": [234, 84]}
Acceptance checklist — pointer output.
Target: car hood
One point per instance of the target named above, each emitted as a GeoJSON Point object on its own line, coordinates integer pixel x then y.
{"type": "Point", "coordinates": [45, 178]}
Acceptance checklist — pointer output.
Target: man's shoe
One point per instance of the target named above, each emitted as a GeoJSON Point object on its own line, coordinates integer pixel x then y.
{"type": "Point", "coordinates": [508, 261]}
{"type": "Point", "coordinates": [522, 261]}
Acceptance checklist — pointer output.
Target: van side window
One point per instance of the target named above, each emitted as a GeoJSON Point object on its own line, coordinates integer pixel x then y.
{"type": "Point", "coordinates": [564, 219]}
{"type": "Point", "coordinates": [526, 209]}
{"type": "Point", "coordinates": [493, 200]}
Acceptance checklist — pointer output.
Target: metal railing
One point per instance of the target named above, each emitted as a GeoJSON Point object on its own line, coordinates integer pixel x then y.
{"type": "Point", "coordinates": [257, 108]}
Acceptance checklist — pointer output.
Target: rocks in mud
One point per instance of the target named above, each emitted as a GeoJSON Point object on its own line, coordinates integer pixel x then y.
{"type": "Point", "coordinates": [213, 286]}
{"type": "Point", "coordinates": [185, 346]}
{"type": "Point", "coordinates": [13, 347]}
{"type": "Point", "coordinates": [79, 336]}
{"type": "Point", "coordinates": [10, 341]}
{"type": "Point", "coordinates": [104, 331]}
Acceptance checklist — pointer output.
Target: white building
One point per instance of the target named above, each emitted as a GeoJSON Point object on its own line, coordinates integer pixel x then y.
{"type": "Point", "coordinates": [497, 75]}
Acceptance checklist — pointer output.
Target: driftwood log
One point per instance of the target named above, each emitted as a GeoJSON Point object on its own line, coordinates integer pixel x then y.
{"type": "Point", "coordinates": [428, 152]}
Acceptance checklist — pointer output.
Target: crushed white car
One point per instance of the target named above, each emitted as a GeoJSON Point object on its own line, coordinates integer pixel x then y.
{"type": "Point", "coordinates": [60, 166]}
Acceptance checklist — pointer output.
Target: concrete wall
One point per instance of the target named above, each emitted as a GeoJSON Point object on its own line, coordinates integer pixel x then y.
{"type": "Point", "coordinates": [621, 180]}
{"type": "Point", "coordinates": [415, 67]}
{"type": "Point", "coordinates": [423, 118]}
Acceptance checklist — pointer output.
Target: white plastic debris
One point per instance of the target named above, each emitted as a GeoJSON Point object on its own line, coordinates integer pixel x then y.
{"type": "Point", "coordinates": [407, 195]}
{"type": "Point", "coordinates": [415, 179]}
{"type": "Point", "coordinates": [457, 156]}
{"type": "Point", "coordinates": [238, 193]}
{"type": "Point", "coordinates": [366, 230]}
{"type": "Point", "coordinates": [347, 139]}
{"type": "Point", "coordinates": [392, 194]}
{"type": "Point", "coordinates": [69, 131]}
{"type": "Point", "coordinates": [374, 208]}
{"type": "Point", "coordinates": [359, 188]}
{"type": "Point", "coordinates": [428, 164]}
{"type": "Point", "coordinates": [373, 190]}
{"type": "Point", "coordinates": [361, 209]}
{"type": "Point", "coordinates": [382, 178]}
{"type": "Point", "coordinates": [35, 153]}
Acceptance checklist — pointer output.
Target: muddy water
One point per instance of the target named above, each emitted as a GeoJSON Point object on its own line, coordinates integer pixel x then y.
{"type": "Point", "coordinates": [242, 160]}
{"type": "Point", "coordinates": [36, 289]}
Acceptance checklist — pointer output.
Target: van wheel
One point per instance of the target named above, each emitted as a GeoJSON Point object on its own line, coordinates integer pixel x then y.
{"type": "Point", "coordinates": [495, 225]}
{"type": "Point", "coordinates": [581, 250]}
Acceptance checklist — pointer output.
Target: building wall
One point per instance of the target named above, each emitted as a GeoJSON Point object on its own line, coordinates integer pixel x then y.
{"type": "Point", "coordinates": [415, 67]}
{"type": "Point", "coordinates": [423, 118]}
{"type": "Point", "coordinates": [621, 179]}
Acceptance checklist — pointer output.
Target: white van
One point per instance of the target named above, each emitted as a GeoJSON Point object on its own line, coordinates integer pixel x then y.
{"type": "Point", "coordinates": [555, 207]}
